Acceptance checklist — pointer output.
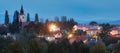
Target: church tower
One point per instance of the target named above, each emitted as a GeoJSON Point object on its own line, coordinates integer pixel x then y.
{"type": "Point", "coordinates": [21, 16]}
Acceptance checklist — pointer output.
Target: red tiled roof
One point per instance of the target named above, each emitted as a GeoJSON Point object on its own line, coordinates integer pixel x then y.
{"type": "Point", "coordinates": [77, 38]}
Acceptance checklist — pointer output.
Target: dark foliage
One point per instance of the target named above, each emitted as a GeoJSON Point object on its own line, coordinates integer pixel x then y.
{"type": "Point", "coordinates": [6, 17]}
{"type": "Point", "coordinates": [93, 23]}
{"type": "Point", "coordinates": [28, 17]}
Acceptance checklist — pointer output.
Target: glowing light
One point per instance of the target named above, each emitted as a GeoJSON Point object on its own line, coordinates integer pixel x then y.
{"type": "Point", "coordinates": [114, 32]}
{"type": "Point", "coordinates": [70, 35]}
{"type": "Point", "coordinates": [75, 28]}
{"type": "Point", "coordinates": [53, 28]}
{"type": "Point", "coordinates": [94, 36]}
{"type": "Point", "coordinates": [85, 41]}
{"type": "Point", "coordinates": [58, 35]}
{"type": "Point", "coordinates": [50, 38]}
{"type": "Point", "coordinates": [99, 28]}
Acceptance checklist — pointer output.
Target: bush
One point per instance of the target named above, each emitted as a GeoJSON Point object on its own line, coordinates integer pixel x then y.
{"type": "Point", "coordinates": [98, 48]}
{"type": "Point", "coordinates": [34, 46]}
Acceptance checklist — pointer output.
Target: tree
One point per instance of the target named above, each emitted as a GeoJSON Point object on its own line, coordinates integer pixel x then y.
{"type": "Point", "coordinates": [71, 23]}
{"type": "Point", "coordinates": [45, 27]}
{"type": "Point", "coordinates": [93, 23]}
{"type": "Point", "coordinates": [35, 46]}
{"type": "Point", "coordinates": [4, 42]}
{"type": "Point", "coordinates": [6, 17]}
{"type": "Point", "coordinates": [3, 30]}
{"type": "Point", "coordinates": [106, 28]}
{"type": "Point", "coordinates": [15, 47]}
{"type": "Point", "coordinates": [98, 48]}
{"type": "Point", "coordinates": [80, 32]}
{"type": "Point", "coordinates": [24, 37]}
{"type": "Point", "coordinates": [56, 19]}
{"type": "Point", "coordinates": [63, 19]}
{"type": "Point", "coordinates": [28, 17]}
{"type": "Point", "coordinates": [104, 35]}
{"type": "Point", "coordinates": [64, 23]}
{"type": "Point", "coordinates": [65, 45]}
{"type": "Point", "coordinates": [46, 21]}
{"type": "Point", "coordinates": [15, 26]}
{"type": "Point", "coordinates": [34, 27]}
{"type": "Point", "coordinates": [116, 48]}
{"type": "Point", "coordinates": [79, 47]}
{"type": "Point", "coordinates": [55, 48]}
{"type": "Point", "coordinates": [36, 18]}
{"type": "Point", "coordinates": [16, 17]}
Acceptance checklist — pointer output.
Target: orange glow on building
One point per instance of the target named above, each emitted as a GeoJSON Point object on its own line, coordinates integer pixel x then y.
{"type": "Point", "coordinates": [53, 27]}
{"type": "Point", "coordinates": [70, 35]}
{"type": "Point", "coordinates": [114, 32]}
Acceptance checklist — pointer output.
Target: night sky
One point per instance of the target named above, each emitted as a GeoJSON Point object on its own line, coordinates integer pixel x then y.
{"type": "Point", "coordinates": [81, 10]}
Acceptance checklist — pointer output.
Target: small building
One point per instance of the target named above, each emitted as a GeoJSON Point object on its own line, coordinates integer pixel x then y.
{"type": "Point", "coordinates": [91, 32]}
{"type": "Point", "coordinates": [77, 39]}
{"type": "Point", "coordinates": [90, 29]}
{"type": "Point", "coordinates": [115, 32]}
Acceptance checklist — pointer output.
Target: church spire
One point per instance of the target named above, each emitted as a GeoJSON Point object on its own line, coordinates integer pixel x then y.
{"type": "Point", "coordinates": [21, 16]}
{"type": "Point", "coordinates": [21, 10]}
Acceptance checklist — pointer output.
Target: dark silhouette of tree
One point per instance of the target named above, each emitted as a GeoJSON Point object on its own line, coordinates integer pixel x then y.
{"type": "Point", "coordinates": [71, 23]}
{"type": "Point", "coordinates": [16, 17]}
{"type": "Point", "coordinates": [63, 19]}
{"type": "Point", "coordinates": [56, 19]}
{"type": "Point", "coordinates": [98, 48]}
{"type": "Point", "coordinates": [116, 48]}
{"type": "Point", "coordinates": [24, 37]}
{"type": "Point", "coordinates": [65, 45]}
{"type": "Point", "coordinates": [55, 48]}
{"type": "Point", "coordinates": [104, 35]}
{"type": "Point", "coordinates": [15, 26]}
{"type": "Point", "coordinates": [64, 23]}
{"type": "Point", "coordinates": [6, 17]}
{"type": "Point", "coordinates": [4, 43]}
{"type": "Point", "coordinates": [106, 28]}
{"type": "Point", "coordinates": [34, 28]}
{"type": "Point", "coordinates": [15, 47]}
{"type": "Point", "coordinates": [93, 23]}
{"type": "Point", "coordinates": [3, 30]}
{"type": "Point", "coordinates": [80, 32]}
{"type": "Point", "coordinates": [35, 46]}
{"type": "Point", "coordinates": [36, 18]}
{"type": "Point", "coordinates": [45, 27]}
{"type": "Point", "coordinates": [46, 21]}
{"type": "Point", "coordinates": [28, 17]}
{"type": "Point", "coordinates": [79, 47]}
{"type": "Point", "coordinates": [67, 24]}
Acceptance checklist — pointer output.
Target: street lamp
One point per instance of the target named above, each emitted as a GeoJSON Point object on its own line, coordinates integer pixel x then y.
{"type": "Point", "coordinates": [53, 28]}
{"type": "Point", "coordinates": [70, 35]}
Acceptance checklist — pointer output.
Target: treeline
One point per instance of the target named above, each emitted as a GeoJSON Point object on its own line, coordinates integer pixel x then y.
{"type": "Point", "coordinates": [35, 45]}
{"type": "Point", "coordinates": [35, 26]}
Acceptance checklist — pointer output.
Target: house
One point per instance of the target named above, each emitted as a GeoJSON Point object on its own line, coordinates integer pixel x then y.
{"type": "Point", "coordinates": [89, 29]}
{"type": "Point", "coordinates": [77, 39]}
{"type": "Point", "coordinates": [115, 32]}
{"type": "Point", "coordinates": [92, 32]}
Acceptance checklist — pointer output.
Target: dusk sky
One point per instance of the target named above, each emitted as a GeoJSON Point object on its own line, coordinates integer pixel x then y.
{"type": "Point", "coordinates": [81, 10]}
